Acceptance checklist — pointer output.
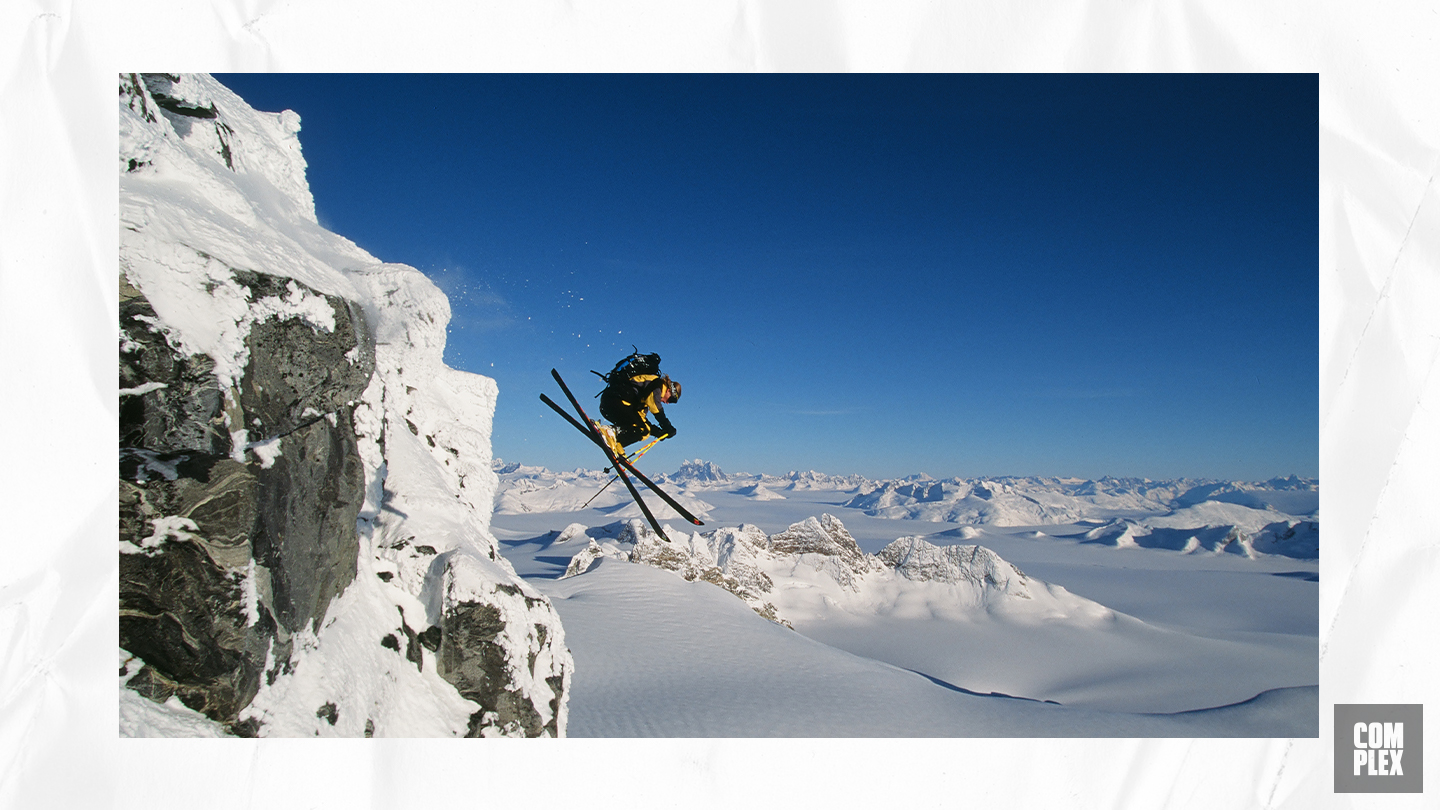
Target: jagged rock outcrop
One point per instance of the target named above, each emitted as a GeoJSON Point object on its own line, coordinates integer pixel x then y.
{"type": "Point", "coordinates": [1298, 539]}
{"type": "Point", "coordinates": [305, 488]}
{"type": "Point", "coordinates": [474, 654]}
{"type": "Point", "coordinates": [811, 480]}
{"type": "Point", "coordinates": [824, 535]}
{"type": "Point", "coordinates": [281, 520]}
{"type": "Point", "coordinates": [727, 557]}
{"type": "Point", "coordinates": [825, 543]}
{"type": "Point", "coordinates": [815, 566]}
{"type": "Point", "coordinates": [915, 559]}
{"type": "Point", "coordinates": [959, 501]}
{"type": "Point", "coordinates": [1037, 501]}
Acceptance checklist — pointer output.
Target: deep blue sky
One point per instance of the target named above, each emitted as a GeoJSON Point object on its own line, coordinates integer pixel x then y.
{"type": "Point", "coordinates": [957, 275]}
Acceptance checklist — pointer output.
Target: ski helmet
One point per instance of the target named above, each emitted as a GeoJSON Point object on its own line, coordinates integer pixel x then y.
{"type": "Point", "coordinates": [672, 390]}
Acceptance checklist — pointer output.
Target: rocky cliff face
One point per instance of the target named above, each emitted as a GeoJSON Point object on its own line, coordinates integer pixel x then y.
{"type": "Point", "coordinates": [191, 605]}
{"type": "Point", "coordinates": [305, 488]}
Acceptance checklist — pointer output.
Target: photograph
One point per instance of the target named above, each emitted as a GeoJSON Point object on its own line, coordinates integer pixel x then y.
{"type": "Point", "coordinates": [718, 406]}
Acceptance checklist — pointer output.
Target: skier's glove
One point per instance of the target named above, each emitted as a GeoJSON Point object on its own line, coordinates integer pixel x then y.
{"type": "Point", "coordinates": [664, 432]}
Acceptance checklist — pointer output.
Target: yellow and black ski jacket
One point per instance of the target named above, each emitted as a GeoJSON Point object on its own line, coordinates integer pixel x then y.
{"type": "Point", "coordinates": [626, 406]}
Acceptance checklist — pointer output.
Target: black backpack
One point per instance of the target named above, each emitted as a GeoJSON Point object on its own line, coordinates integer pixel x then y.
{"type": "Point", "coordinates": [621, 378]}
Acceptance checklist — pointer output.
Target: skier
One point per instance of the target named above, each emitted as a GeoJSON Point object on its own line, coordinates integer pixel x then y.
{"type": "Point", "coordinates": [636, 387]}
{"type": "Point", "coordinates": [659, 390]}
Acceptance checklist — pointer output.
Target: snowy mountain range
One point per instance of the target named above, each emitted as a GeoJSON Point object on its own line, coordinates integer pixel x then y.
{"type": "Point", "coordinates": [1280, 516]}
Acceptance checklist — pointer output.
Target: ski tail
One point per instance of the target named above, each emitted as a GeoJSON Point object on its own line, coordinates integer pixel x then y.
{"type": "Point", "coordinates": [664, 496]}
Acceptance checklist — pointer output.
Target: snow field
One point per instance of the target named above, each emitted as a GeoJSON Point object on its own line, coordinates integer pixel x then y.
{"type": "Point", "coordinates": [1202, 644]}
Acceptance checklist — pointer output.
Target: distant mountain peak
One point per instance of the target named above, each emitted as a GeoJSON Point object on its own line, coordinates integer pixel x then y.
{"type": "Point", "coordinates": [824, 535]}
{"type": "Point", "coordinates": [700, 472]}
{"type": "Point", "coordinates": [918, 560]}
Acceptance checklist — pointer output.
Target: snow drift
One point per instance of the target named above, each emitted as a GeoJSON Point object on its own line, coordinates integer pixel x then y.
{"type": "Point", "coordinates": [306, 488]}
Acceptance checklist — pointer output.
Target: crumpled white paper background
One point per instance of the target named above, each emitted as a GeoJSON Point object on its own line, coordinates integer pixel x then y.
{"type": "Point", "coordinates": [1378, 411]}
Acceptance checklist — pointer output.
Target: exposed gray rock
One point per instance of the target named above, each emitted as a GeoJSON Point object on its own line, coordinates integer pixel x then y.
{"type": "Point", "coordinates": [826, 538]}
{"type": "Point", "coordinates": [1300, 539]}
{"type": "Point", "coordinates": [698, 472]}
{"type": "Point", "coordinates": [726, 557]}
{"type": "Point", "coordinates": [825, 535]}
{"type": "Point", "coordinates": [737, 560]}
{"type": "Point", "coordinates": [185, 617]}
{"type": "Point", "coordinates": [299, 375]}
{"type": "Point", "coordinates": [308, 501]}
{"type": "Point", "coordinates": [580, 563]}
{"type": "Point", "coordinates": [169, 403]}
{"type": "Point", "coordinates": [473, 658]}
{"type": "Point", "coordinates": [736, 548]}
{"type": "Point", "coordinates": [493, 637]}
{"type": "Point", "coordinates": [183, 601]}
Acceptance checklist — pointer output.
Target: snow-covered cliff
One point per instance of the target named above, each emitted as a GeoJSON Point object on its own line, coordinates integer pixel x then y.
{"type": "Point", "coordinates": [306, 488]}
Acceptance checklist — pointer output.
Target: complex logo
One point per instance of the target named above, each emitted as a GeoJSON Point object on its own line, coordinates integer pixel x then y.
{"type": "Point", "coordinates": [1378, 748]}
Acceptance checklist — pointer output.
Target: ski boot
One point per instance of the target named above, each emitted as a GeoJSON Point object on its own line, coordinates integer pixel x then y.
{"type": "Point", "coordinates": [607, 432]}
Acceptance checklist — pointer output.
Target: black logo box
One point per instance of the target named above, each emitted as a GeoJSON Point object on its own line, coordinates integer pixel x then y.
{"type": "Point", "coordinates": [1377, 730]}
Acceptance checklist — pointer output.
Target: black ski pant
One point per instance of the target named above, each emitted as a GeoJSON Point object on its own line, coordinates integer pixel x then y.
{"type": "Point", "coordinates": [629, 421]}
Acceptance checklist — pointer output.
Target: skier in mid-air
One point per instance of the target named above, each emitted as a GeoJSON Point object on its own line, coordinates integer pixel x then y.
{"type": "Point", "coordinates": [634, 388]}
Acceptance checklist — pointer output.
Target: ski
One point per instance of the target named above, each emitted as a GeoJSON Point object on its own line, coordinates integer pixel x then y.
{"type": "Point", "coordinates": [615, 477]}
{"type": "Point", "coordinates": [595, 437]}
{"type": "Point", "coordinates": [621, 464]}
